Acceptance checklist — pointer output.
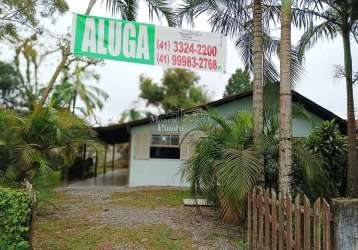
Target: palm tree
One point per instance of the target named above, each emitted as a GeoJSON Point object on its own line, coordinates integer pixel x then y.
{"type": "Point", "coordinates": [258, 84]}
{"type": "Point", "coordinates": [225, 164]}
{"type": "Point", "coordinates": [29, 142]}
{"type": "Point", "coordinates": [234, 18]}
{"type": "Point", "coordinates": [249, 24]}
{"type": "Point", "coordinates": [73, 86]}
{"type": "Point", "coordinates": [327, 19]}
{"type": "Point", "coordinates": [285, 130]}
{"type": "Point", "coordinates": [128, 10]}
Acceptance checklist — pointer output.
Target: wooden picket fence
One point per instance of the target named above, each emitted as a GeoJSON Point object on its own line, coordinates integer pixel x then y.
{"type": "Point", "coordinates": [282, 223]}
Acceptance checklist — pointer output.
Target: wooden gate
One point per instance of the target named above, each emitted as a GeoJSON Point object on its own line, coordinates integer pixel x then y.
{"type": "Point", "coordinates": [282, 223]}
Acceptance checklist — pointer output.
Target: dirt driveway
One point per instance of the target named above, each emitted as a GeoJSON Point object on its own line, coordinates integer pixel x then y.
{"type": "Point", "coordinates": [127, 218]}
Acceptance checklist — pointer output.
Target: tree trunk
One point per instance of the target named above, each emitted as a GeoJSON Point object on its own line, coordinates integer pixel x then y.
{"type": "Point", "coordinates": [257, 98]}
{"type": "Point", "coordinates": [90, 6]}
{"type": "Point", "coordinates": [53, 79]}
{"type": "Point", "coordinates": [285, 130]}
{"type": "Point", "coordinates": [62, 63]}
{"type": "Point", "coordinates": [352, 171]}
{"type": "Point", "coordinates": [74, 102]}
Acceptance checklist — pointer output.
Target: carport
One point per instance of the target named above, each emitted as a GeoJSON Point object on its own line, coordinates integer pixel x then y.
{"type": "Point", "coordinates": [105, 173]}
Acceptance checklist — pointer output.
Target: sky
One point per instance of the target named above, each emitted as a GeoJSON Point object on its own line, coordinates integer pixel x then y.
{"type": "Point", "coordinates": [121, 80]}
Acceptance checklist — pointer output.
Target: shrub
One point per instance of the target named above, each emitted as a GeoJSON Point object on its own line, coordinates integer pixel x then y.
{"type": "Point", "coordinates": [327, 141]}
{"type": "Point", "coordinates": [329, 179]}
{"type": "Point", "coordinates": [224, 165]}
{"type": "Point", "coordinates": [15, 216]}
{"type": "Point", "coordinates": [33, 144]}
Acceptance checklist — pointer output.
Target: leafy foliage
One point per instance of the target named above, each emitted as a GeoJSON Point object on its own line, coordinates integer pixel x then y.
{"type": "Point", "coordinates": [18, 14]}
{"type": "Point", "coordinates": [130, 115]}
{"type": "Point", "coordinates": [9, 83]}
{"type": "Point", "coordinates": [329, 145]}
{"type": "Point", "coordinates": [178, 90]}
{"type": "Point", "coordinates": [129, 9]}
{"type": "Point", "coordinates": [33, 143]}
{"type": "Point", "coordinates": [238, 82]}
{"type": "Point", "coordinates": [327, 19]}
{"type": "Point", "coordinates": [73, 87]}
{"type": "Point", "coordinates": [225, 165]}
{"type": "Point", "coordinates": [235, 19]}
{"type": "Point", "coordinates": [324, 19]}
{"type": "Point", "coordinates": [21, 84]}
{"type": "Point", "coordinates": [15, 214]}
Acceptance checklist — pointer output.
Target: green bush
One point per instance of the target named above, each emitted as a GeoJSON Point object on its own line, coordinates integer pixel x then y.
{"type": "Point", "coordinates": [15, 215]}
{"type": "Point", "coordinates": [329, 180]}
{"type": "Point", "coordinates": [331, 145]}
{"type": "Point", "coordinates": [34, 144]}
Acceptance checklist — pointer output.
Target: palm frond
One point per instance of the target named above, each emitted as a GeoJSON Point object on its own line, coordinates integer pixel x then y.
{"type": "Point", "coordinates": [314, 34]}
{"type": "Point", "coordinates": [27, 155]}
{"type": "Point", "coordinates": [159, 8]}
{"type": "Point", "coordinates": [128, 9]}
{"type": "Point", "coordinates": [220, 157]}
{"type": "Point", "coordinates": [315, 181]}
{"type": "Point", "coordinates": [271, 45]}
{"type": "Point", "coordinates": [237, 175]}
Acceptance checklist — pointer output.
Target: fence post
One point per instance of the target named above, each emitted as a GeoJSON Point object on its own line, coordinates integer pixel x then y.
{"type": "Point", "coordinates": [298, 223]}
{"type": "Point", "coordinates": [326, 226]}
{"type": "Point", "coordinates": [280, 222]}
{"type": "Point", "coordinates": [267, 219]}
{"type": "Point", "coordinates": [274, 219]}
{"type": "Point", "coordinates": [345, 218]}
{"type": "Point", "coordinates": [254, 220]}
{"type": "Point", "coordinates": [261, 220]}
{"type": "Point", "coordinates": [317, 224]}
{"type": "Point", "coordinates": [249, 222]}
{"type": "Point", "coordinates": [289, 221]}
{"type": "Point", "coordinates": [307, 223]}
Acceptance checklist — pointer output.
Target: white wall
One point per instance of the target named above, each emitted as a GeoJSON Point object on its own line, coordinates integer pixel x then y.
{"type": "Point", "coordinates": [166, 172]}
{"type": "Point", "coordinates": [155, 172]}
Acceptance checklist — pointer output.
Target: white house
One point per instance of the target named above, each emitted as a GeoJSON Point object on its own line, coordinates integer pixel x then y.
{"type": "Point", "coordinates": [156, 155]}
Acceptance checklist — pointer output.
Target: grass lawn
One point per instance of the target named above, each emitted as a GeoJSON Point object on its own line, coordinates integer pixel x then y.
{"type": "Point", "coordinates": [74, 233]}
{"type": "Point", "coordinates": [151, 198]}
{"type": "Point", "coordinates": [124, 220]}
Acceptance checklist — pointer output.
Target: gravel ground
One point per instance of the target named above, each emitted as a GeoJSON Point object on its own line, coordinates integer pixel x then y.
{"type": "Point", "coordinates": [206, 229]}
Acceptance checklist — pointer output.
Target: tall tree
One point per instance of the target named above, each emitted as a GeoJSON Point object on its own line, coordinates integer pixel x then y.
{"type": "Point", "coordinates": [30, 56]}
{"type": "Point", "coordinates": [237, 18]}
{"type": "Point", "coordinates": [285, 129]}
{"type": "Point", "coordinates": [327, 19]}
{"type": "Point", "coordinates": [128, 10]}
{"type": "Point", "coordinates": [258, 82]}
{"type": "Point", "coordinates": [238, 82]}
{"type": "Point", "coordinates": [249, 23]}
{"type": "Point", "coordinates": [129, 115]}
{"type": "Point", "coordinates": [178, 90]}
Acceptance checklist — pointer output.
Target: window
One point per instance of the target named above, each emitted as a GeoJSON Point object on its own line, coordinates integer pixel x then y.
{"type": "Point", "coordinates": [165, 146]}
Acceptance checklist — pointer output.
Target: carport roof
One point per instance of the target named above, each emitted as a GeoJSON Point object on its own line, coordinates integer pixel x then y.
{"type": "Point", "coordinates": [120, 133]}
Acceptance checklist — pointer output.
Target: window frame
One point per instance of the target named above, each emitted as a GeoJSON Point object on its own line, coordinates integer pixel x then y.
{"type": "Point", "coordinates": [170, 145]}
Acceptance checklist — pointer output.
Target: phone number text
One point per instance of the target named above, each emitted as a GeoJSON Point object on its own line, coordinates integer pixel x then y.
{"type": "Point", "coordinates": [187, 61]}
{"type": "Point", "coordinates": [187, 48]}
